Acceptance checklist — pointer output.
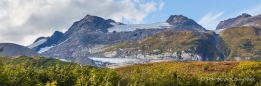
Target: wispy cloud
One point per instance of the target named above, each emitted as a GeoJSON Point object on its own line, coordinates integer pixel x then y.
{"type": "Point", "coordinates": [210, 20]}
{"type": "Point", "coordinates": [161, 5]}
{"type": "Point", "coordinates": [22, 21]}
{"type": "Point", "coordinates": [252, 11]}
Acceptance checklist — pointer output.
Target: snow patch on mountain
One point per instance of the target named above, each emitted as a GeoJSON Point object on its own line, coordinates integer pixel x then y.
{"type": "Point", "coordinates": [65, 60]}
{"type": "Point", "coordinates": [113, 60]}
{"type": "Point", "coordinates": [132, 27]}
{"type": "Point", "coordinates": [36, 43]}
{"type": "Point", "coordinates": [45, 49]}
{"type": "Point", "coordinates": [218, 31]}
{"type": "Point", "coordinates": [49, 47]}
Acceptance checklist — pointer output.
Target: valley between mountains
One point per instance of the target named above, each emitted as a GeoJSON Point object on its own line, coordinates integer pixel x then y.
{"type": "Point", "coordinates": [179, 38]}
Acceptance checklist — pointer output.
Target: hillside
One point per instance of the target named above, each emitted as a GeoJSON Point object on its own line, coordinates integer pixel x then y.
{"type": "Point", "coordinates": [33, 61]}
{"type": "Point", "coordinates": [184, 45]}
{"type": "Point", "coordinates": [179, 38]}
{"type": "Point", "coordinates": [244, 73]}
{"type": "Point", "coordinates": [10, 49]}
{"type": "Point", "coordinates": [241, 43]}
{"type": "Point", "coordinates": [16, 72]}
{"type": "Point", "coordinates": [241, 20]}
{"type": "Point", "coordinates": [180, 22]}
{"type": "Point", "coordinates": [91, 34]}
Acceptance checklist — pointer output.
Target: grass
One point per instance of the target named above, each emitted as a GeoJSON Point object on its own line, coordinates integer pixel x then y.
{"type": "Point", "coordinates": [172, 73]}
{"type": "Point", "coordinates": [35, 61]}
{"type": "Point", "coordinates": [230, 72]}
{"type": "Point", "coordinates": [206, 68]}
{"type": "Point", "coordinates": [241, 42]}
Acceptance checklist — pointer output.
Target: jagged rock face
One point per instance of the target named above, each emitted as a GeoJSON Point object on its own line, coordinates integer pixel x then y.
{"type": "Point", "coordinates": [179, 45]}
{"type": "Point", "coordinates": [241, 20]}
{"type": "Point", "coordinates": [88, 24]}
{"type": "Point", "coordinates": [40, 38]}
{"type": "Point", "coordinates": [53, 40]}
{"type": "Point", "coordinates": [179, 19]}
{"type": "Point", "coordinates": [123, 53]}
{"type": "Point", "coordinates": [180, 22]}
{"type": "Point", "coordinates": [87, 45]}
{"type": "Point", "coordinates": [89, 36]}
{"type": "Point", "coordinates": [118, 37]}
{"type": "Point", "coordinates": [257, 24]}
{"type": "Point", "coordinates": [9, 49]}
{"type": "Point", "coordinates": [55, 37]}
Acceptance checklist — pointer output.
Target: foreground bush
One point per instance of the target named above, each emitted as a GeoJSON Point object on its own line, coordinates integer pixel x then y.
{"type": "Point", "coordinates": [36, 72]}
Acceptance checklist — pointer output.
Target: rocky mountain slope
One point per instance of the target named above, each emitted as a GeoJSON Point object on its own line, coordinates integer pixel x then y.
{"type": "Point", "coordinates": [10, 49]}
{"type": "Point", "coordinates": [179, 38]}
{"type": "Point", "coordinates": [46, 41]}
{"type": "Point", "coordinates": [180, 22]}
{"type": "Point", "coordinates": [239, 43]}
{"type": "Point", "coordinates": [178, 45]}
{"type": "Point", "coordinates": [238, 37]}
{"type": "Point", "coordinates": [241, 20]}
{"type": "Point", "coordinates": [92, 34]}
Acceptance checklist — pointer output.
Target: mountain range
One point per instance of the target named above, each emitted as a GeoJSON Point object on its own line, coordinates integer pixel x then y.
{"type": "Point", "coordinates": [179, 38]}
{"type": "Point", "coordinates": [92, 35]}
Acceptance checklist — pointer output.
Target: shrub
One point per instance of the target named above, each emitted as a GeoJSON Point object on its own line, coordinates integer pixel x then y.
{"type": "Point", "coordinates": [205, 67]}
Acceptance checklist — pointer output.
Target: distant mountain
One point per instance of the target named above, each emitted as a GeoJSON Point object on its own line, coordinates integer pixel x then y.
{"type": "Point", "coordinates": [178, 45]}
{"type": "Point", "coordinates": [241, 43]}
{"type": "Point", "coordinates": [179, 38]}
{"type": "Point", "coordinates": [87, 24]}
{"type": "Point", "coordinates": [42, 42]}
{"type": "Point", "coordinates": [10, 49]}
{"type": "Point", "coordinates": [180, 22]}
{"type": "Point", "coordinates": [33, 61]}
{"type": "Point", "coordinates": [241, 20]}
{"type": "Point", "coordinates": [92, 34]}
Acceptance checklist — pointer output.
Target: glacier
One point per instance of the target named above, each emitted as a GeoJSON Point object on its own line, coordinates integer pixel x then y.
{"type": "Point", "coordinates": [37, 43]}
{"type": "Point", "coordinates": [132, 27]}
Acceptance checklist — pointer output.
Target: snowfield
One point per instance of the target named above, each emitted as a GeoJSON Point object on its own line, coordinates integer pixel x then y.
{"type": "Point", "coordinates": [132, 27]}
{"type": "Point", "coordinates": [36, 43]}
{"type": "Point", "coordinates": [49, 47]}
{"type": "Point", "coordinates": [113, 60]}
{"type": "Point", "coordinates": [218, 31]}
{"type": "Point", "coordinates": [45, 49]}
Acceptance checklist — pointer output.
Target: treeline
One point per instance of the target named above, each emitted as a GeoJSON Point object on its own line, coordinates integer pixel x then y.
{"type": "Point", "coordinates": [50, 72]}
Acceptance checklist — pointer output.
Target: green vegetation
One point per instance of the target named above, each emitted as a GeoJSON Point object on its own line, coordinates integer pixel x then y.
{"type": "Point", "coordinates": [176, 41]}
{"type": "Point", "coordinates": [15, 72]}
{"type": "Point", "coordinates": [35, 61]}
{"type": "Point", "coordinates": [205, 67]}
{"type": "Point", "coordinates": [244, 73]}
{"type": "Point", "coordinates": [241, 42]}
{"type": "Point", "coordinates": [50, 72]}
{"type": "Point", "coordinates": [1, 49]}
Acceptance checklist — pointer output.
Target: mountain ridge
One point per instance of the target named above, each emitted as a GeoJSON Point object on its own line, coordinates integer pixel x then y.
{"type": "Point", "coordinates": [93, 36]}
{"type": "Point", "coordinates": [182, 22]}
{"type": "Point", "coordinates": [11, 49]}
{"type": "Point", "coordinates": [89, 35]}
{"type": "Point", "coordinates": [241, 20]}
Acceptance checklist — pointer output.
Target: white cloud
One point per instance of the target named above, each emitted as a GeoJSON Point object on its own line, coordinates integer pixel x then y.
{"type": "Point", "coordinates": [161, 5]}
{"type": "Point", "coordinates": [136, 1]}
{"type": "Point", "coordinates": [22, 21]}
{"type": "Point", "coordinates": [210, 20]}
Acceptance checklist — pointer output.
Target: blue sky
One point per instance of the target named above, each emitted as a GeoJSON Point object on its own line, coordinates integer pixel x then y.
{"type": "Point", "coordinates": [30, 19]}
{"type": "Point", "coordinates": [217, 10]}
